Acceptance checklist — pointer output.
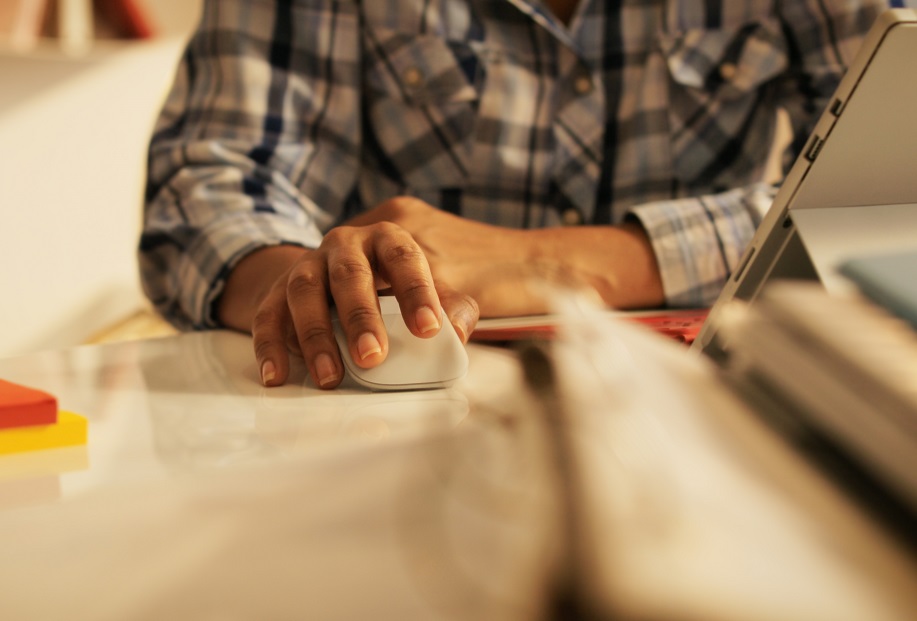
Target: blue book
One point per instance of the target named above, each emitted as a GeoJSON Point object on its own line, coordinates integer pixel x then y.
{"type": "Point", "coordinates": [889, 280]}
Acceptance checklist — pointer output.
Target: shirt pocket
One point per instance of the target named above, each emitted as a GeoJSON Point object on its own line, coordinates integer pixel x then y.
{"type": "Point", "coordinates": [421, 104]}
{"type": "Point", "coordinates": [722, 100]}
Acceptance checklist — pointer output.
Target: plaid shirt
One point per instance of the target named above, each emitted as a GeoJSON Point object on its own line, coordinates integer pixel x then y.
{"type": "Point", "coordinates": [289, 116]}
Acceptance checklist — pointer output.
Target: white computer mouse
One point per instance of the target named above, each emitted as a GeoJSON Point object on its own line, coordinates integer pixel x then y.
{"type": "Point", "coordinates": [412, 363]}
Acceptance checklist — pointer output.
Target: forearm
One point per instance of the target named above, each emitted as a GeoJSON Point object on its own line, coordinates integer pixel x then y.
{"type": "Point", "coordinates": [617, 262]}
{"type": "Point", "coordinates": [249, 283]}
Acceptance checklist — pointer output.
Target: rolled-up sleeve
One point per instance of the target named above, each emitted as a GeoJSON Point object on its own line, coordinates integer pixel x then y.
{"type": "Point", "coordinates": [256, 146]}
{"type": "Point", "coordinates": [699, 240]}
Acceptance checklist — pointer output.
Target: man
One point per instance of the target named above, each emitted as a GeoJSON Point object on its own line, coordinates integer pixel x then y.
{"type": "Point", "coordinates": [315, 151]}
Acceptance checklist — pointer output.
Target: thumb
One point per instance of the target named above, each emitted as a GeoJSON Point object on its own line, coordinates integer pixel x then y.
{"type": "Point", "coordinates": [461, 309]}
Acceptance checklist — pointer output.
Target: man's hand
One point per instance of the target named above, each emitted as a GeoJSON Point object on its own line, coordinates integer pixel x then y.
{"type": "Point", "coordinates": [491, 264]}
{"type": "Point", "coordinates": [282, 295]}
{"type": "Point", "coordinates": [431, 260]}
{"type": "Point", "coordinates": [505, 269]}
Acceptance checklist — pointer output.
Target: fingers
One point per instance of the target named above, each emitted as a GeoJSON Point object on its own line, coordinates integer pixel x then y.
{"type": "Point", "coordinates": [348, 268]}
{"type": "Point", "coordinates": [352, 284]}
{"type": "Point", "coordinates": [270, 329]}
{"type": "Point", "coordinates": [462, 310]}
{"type": "Point", "coordinates": [294, 316]}
{"type": "Point", "coordinates": [306, 292]}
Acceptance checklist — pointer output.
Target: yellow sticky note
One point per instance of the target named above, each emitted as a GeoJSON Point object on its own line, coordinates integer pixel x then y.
{"type": "Point", "coordinates": [70, 430]}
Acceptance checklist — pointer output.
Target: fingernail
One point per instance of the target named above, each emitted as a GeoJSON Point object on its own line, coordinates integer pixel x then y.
{"type": "Point", "coordinates": [368, 345]}
{"type": "Point", "coordinates": [426, 319]}
{"type": "Point", "coordinates": [268, 372]}
{"type": "Point", "coordinates": [325, 370]}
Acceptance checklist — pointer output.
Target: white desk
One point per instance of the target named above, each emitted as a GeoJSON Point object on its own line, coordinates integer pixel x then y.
{"type": "Point", "coordinates": [164, 407]}
{"type": "Point", "coordinates": [203, 495]}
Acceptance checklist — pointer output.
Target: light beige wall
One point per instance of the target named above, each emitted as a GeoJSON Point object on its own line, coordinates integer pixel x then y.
{"type": "Point", "coordinates": [73, 135]}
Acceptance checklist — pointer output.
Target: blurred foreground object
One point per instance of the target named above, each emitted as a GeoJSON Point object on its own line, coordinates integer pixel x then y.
{"type": "Point", "coordinates": [624, 480]}
{"type": "Point", "coordinates": [839, 376]}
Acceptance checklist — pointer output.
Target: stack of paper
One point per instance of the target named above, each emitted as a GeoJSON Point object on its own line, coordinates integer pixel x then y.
{"type": "Point", "coordinates": [838, 373]}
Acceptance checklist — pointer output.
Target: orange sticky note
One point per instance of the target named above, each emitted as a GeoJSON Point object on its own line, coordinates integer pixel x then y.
{"type": "Point", "coordinates": [22, 406]}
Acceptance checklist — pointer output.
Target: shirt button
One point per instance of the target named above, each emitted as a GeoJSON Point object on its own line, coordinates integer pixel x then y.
{"type": "Point", "coordinates": [571, 217]}
{"type": "Point", "coordinates": [412, 76]}
{"type": "Point", "coordinates": [582, 84]}
{"type": "Point", "coordinates": [728, 71]}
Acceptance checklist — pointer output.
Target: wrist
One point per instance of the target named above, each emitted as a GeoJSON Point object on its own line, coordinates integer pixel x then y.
{"type": "Point", "coordinates": [616, 262]}
{"type": "Point", "coordinates": [643, 286]}
{"type": "Point", "coordinates": [250, 281]}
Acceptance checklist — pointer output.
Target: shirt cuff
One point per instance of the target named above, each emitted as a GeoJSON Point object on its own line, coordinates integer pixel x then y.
{"type": "Point", "coordinates": [209, 260]}
{"type": "Point", "coordinates": [698, 241]}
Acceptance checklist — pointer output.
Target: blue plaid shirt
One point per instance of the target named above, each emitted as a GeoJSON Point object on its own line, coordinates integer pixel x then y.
{"type": "Point", "coordinates": [287, 117]}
